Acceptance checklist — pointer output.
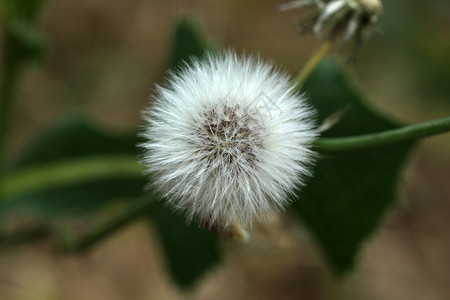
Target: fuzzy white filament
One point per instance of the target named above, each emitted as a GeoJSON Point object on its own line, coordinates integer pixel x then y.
{"type": "Point", "coordinates": [227, 139]}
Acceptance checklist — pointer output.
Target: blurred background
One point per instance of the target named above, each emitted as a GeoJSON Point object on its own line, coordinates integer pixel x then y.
{"type": "Point", "coordinates": [103, 60]}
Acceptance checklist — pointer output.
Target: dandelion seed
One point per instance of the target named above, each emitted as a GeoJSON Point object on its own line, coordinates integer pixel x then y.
{"type": "Point", "coordinates": [227, 140]}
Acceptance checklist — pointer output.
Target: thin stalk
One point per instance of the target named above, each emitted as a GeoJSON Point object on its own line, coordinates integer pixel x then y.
{"type": "Point", "coordinates": [136, 209]}
{"type": "Point", "coordinates": [69, 172]}
{"type": "Point", "coordinates": [381, 139]}
{"type": "Point", "coordinates": [312, 63]}
{"type": "Point", "coordinates": [63, 173]}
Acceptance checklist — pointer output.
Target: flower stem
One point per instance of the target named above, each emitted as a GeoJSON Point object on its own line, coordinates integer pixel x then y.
{"type": "Point", "coordinates": [137, 208]}
{"type": "Point", "coordinates": [381, 139]}
{"type": "Point", "coordinates": [63, 173]}
{"type": "Point", "coordinates": [93, 168]}
{"type": "Point", "coordinates": [70, 172]}
{"type": "Point", "coordinates": [312, 63]}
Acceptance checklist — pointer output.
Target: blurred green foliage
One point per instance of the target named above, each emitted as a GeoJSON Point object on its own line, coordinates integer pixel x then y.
{"type": "Point", "coordinates": [25, 10]}
{"type": "Point", "coordinates": [414, 32]}
{"type": "Point", "coordinates": [190, 251]}
{"type": "Point", "coordinates": [25, 41]}
{"type": "Point", "coordinates": [188, 41]}
{"type": "Point", "coordinates": [73, 139]}
{"type": "Point", "coordinates": [346, 199]}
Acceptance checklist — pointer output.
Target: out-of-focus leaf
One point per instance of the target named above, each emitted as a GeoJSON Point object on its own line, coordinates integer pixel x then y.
{"type": "Point", "coordinates": [190, 251]}
{"type": "Point", "coordinates": [187, 42]}
{"type": "Point", "coordinates": [24, 42]}
{"type": "Point", "coordinates": [73, 199]}
{"type": "Point", "coordinates": [70, 141]}
{"type": "Point", "coordinates": [27, 41]}
{"type": "Point", "coordinates": [26, 10]}
{"type": "Point", "coordinates": [421, 48]}
{"type": "Point", "coordinates": [345, 201]}
{"type": "Point", "coordinates": [74, 137]}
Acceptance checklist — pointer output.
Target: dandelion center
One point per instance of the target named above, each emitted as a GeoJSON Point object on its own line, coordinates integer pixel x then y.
{"type": "Point", "coordinates": [230, 134]}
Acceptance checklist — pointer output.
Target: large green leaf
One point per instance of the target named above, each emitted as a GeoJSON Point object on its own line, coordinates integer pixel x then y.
{"type": "Point", "coordinates": [74, 137]}
{"type": "Point", "coordinates": [348, 196]}
{"type": "Point", "coordinates": [72, 167]}
{"type": "Point", "coordinates": [187, 42]}
{"type": "Point", "coordinates": [190, 251]}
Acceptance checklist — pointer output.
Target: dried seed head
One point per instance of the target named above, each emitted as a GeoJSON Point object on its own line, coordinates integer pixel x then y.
{"type": "Point", "coordinates": [373, 8]}
{"type": "Point", "coordinates": [343, 20]}
{"type": "Point", "coordinates": [228, 140]}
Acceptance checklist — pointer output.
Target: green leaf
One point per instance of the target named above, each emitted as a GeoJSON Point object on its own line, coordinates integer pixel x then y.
{"type": "Point", "coordinates": [74, 137]}
{"type": "Point", "coordinates": [187, 42]}
{"type": "Point", "coordinates": [190, 251]}
{"type": "Point", "coordinates": [21, 35]}
{"type": "Point", "coordinates": [26, 10]}
{"type": "Point", "coordinates": [71, 168]}
{"type": "Point", "coordinates": [348, 196]}
{"type": "Point", "coordinates": [73, 198]}
{"type": "Point", "coordinates": [27, 41]}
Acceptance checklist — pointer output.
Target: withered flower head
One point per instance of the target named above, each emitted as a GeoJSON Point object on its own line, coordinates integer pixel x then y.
{"type": "Point", "coordinates": [343, 20]}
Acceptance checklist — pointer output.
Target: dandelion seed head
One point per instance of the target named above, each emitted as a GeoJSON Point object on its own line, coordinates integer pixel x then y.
{"type": "Point", "coordinates": [227, 139]}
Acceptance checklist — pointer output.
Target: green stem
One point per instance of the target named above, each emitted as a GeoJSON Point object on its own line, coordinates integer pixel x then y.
{"type": "Point", "coordinates": [10, 74]}
{"type": "Point", "coordinates": [94, 168]}
{"type": "Point", "coordinates": [381, 139]}
{"type": "Point", "coordinates": [61, 173]}
{"type": "Point", "coordinates": [137, 208]}
{"type": "Point", "coordinates": [312, 63]}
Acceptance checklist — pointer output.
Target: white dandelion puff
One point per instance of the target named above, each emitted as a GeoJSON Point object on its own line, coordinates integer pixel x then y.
{"type": "Point", "coordinates": [227, 140]}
